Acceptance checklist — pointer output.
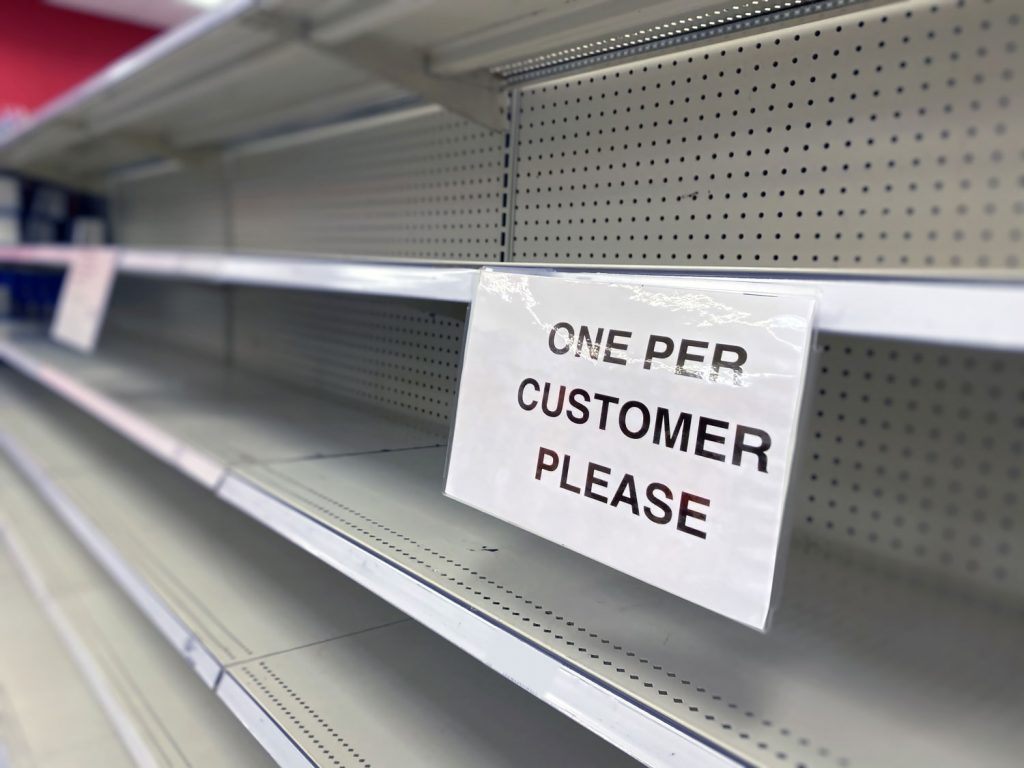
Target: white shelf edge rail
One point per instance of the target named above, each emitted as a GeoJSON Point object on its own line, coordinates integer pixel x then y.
{"type": "Point", "coordinates": [626, 724]}
{"type": "Point", "coordinates": [969, 313]}
{"type": "Point", "coordinates": [366, 277]}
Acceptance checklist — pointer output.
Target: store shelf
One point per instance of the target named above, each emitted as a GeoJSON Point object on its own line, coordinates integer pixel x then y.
{"type": "Point", "coordinates": [41, 685]}
{"type": "Point", "coordinates": [652, 674]}
{"type": "Point", "coordinates": [307, 660]}
{"type": "Point", "coordinates": [162, 716]}
{"type": "Point", "coordinates": [202, 417]}
{"type": "Point", "coordinates": [275, 168]}
{"type": "Point", "coordinates": [974, 313]}
{"type": "Point", "coordinates": [441, 283]}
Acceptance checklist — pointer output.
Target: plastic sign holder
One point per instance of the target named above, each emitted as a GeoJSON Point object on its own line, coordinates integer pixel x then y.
{"type": "Point", "coordinates": [647, 424]}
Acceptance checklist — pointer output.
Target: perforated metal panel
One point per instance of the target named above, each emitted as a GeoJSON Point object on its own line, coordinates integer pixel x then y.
{"type": "Point", "coordinates": [183, 208]}
{"type": "Point", "coordinates": [885, 138]}
{"type": "Point", "coordinates": [400, 355]}
{"type": "Point", "coordinates": [425, 184]}
{"type": "Point", "coordinates": [916, 454]}
{"type": "Point", "coordinates": [186, 316]}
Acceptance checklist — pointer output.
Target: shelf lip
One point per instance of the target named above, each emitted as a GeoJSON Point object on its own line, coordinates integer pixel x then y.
{"type": "Point", "coordinates": [614, 716]}
{"type": "Point", "coordinates": [965, 312]}
{"type": "Point", "coordinates": [356, 275]}
{"type": "Point", "coordinates": [250, 714]}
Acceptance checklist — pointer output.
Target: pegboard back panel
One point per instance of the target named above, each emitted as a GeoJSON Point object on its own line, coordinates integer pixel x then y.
{"type": "Point", "coordinates": [423, 184]}
{"type": "Point", "coordinates": [886, 138]}
{"type": "Point", "coordinates": [189, 317]}
{"type": "Point", "coordinates": [179, 208]}
{"type": "Point", "coordinates": [915, 454]}
{"type": "Point", "coordinates": [401, 356]}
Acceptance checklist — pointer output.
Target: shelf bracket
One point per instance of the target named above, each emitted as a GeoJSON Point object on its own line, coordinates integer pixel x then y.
{"type": "Point", "coordinates": [475, 96]}
{"type": "Point", "coordinates": [478, 98]}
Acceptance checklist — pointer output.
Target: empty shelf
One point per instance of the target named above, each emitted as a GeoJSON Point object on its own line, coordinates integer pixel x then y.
{"type": "Point", "coordinates": [656, 676]}
{"type": "Point", "coordinates": [163, 717]}
{"type": "Point", "coordinates": [203, 417]}
{"type": "Point", "coordinates": [40, 685]}
{"type": "Point", "coordinates": [321, 671]}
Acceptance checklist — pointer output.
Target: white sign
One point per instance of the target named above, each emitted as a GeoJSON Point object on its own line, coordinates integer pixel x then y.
{"type": "Point", "coordinates": [82, 303]}
{"type": "Point", "coordinates": [646, 424]}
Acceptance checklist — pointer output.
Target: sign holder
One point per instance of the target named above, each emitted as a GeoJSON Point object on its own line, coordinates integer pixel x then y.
{"type": "Point", "coordinates": [647, 423]}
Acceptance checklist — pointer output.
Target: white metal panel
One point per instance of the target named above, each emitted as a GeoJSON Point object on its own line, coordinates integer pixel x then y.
{"type": "Point", "coordinates": [191, 317]}
{"type": "Point", "coordinates": [883, 139]}
{"type": "Point", "coordinates": [401, 356]}
{"type": "Point", "coordinates": [913, 454]}
{"type": "Point", "coordinates": [180, 208]}
{"type": "Point", "coordinates": [423, 185]}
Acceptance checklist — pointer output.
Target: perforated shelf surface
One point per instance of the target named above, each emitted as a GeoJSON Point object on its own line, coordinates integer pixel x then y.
{"type": "Point", "coordinates": [348, 679]}
{"type": "Point", "coordinates": [873, 658]}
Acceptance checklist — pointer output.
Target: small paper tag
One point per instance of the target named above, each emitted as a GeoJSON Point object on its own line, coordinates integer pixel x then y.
{"type": "Point", "coordinates": [84, 295]}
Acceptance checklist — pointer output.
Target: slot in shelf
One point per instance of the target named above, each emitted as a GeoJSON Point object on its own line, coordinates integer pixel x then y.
{"type": "Point", "coordinates": [652, 674]}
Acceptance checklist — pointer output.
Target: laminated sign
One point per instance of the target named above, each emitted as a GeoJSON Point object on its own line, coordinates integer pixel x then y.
{"type": "Point", "coordinates": [647, 424]}
{"type": "Point", "coordinates": [83, 299]}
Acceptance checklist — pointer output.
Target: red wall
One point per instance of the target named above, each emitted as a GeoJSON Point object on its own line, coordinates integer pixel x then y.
{"type": "Point", "coordinates": [44, 50]}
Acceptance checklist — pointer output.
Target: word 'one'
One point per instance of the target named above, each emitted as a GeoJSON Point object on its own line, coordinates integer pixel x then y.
{"type": "Point", "coordinates": [613, 347]}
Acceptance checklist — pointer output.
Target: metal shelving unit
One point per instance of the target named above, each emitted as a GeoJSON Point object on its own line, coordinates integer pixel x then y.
{"type": "Point", "coordinates": [525, 607]}
{"type": "Point", "coordinates": [304, 658]}
{"type": "Point", "coordinates": [287, 330]}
